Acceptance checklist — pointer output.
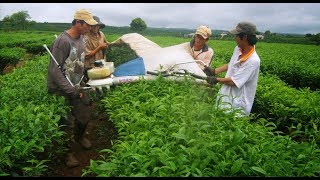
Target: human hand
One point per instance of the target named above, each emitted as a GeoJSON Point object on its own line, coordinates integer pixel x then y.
{"type": "Point", "coordinates": [77, 91]}
{"type": "Point", "coordinates": [84, 96]}
{"type": "Point", "coordinates": [209, 71]}
{"type": "Point", "coordinates": [103, 44]}
{"type": "Point", "coordinates": [212, 80]}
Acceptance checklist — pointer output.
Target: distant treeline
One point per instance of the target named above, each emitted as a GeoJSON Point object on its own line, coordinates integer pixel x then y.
{"type": "Point", "coordinates": [59, 27]}
{"type": "Point", "coordinates": [176, 32]}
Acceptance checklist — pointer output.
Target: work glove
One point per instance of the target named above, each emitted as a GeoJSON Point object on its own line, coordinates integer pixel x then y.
{"type": "Point", "coordinates": [212, 80]}
{"type": "Point", "coordinates": [209, 71]}
{"type": "Point", "coordinates": [85, 96]}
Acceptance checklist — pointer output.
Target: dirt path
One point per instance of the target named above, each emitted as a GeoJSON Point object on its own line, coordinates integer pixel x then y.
{"type": "Point", "coordinates": [100, 132]}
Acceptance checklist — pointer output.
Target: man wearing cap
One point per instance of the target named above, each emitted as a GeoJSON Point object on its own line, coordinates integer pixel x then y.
{"type": "Point", "coordinates": [240, 83]}
{"type": "Point", "coordinates": [96, 44]}
{"type": "Point", "coordinates": [199, 48]}
{"type": "Point", "coordinates": [69, 46]}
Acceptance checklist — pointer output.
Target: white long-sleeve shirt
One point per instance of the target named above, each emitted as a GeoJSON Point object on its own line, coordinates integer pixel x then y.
{"type": "Point", "coordinates": [245, 76]}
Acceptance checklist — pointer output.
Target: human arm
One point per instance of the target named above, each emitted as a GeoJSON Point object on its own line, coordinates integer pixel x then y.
{"type": "Point", "coordinates": [102, 45]}
{"type": "Point", "coordinates": [214, 71]}
{"type": "Point", "coordinates": [95, 45]}
{"type": "Point", "coordinates": [108, 43]}
{"type": "Point", "coordinates": [243, 73]}
{"type": "Point", "coordinates": [221, 69]}
{"type": "Point", "coordinates": [227, 81]}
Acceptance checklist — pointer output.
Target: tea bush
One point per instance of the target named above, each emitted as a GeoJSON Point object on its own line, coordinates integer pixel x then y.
{"type": "Point", "coordinates": [119, 54]}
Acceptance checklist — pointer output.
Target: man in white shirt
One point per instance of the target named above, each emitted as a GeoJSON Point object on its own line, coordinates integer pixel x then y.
{"type": "Point", "coordinates": [240, 83]}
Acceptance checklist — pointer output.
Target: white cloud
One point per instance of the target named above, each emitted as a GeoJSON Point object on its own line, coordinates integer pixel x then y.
{"type": "Point", "coordinates": [299, 18]}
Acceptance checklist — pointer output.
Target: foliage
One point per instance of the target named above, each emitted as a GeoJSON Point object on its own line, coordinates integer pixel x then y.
{"type": "Point", "coordinates": [167, 128]}
{"type": "Point", "coordinates": [119, 54]}
{"type": "Point", "coordinates": [14, 46]}
{"type": "Point", "coordinates": [173, 129]}
{"type": "Point", "coordinates": [286, 39]}
{"type": "Point", "coordinates": [29, 123]}
{"type": "Point", "coordinates": [297, 65]}
{"type": "Point", "coordinates": [10, 56]}
{"type": "Point", "coordinates": [137, 25]}
{"type": "Point", "coordinates": [24, 38]}
{"type": "Point", "coordinates": [37, 47]}
{"type": "Point", "coordinates": [17, 21]}
{"type": "Point", "coordinates": [288, 107]}
{"type": "Point", "coordinates": [315, 38]}
{"type": "Point", "coordinates": [267, 33]}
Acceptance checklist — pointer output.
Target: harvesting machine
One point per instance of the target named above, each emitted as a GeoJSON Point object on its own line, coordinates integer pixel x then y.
{"type": "Point", "coordinates": [174, 63]}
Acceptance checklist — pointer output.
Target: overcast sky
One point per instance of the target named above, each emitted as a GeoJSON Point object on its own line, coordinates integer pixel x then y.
{"type": "Point", "coordinates": [300, 18]}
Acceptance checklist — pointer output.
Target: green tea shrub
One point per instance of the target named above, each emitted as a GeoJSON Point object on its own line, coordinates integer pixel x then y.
{"type": "Point", "coordinates": [120, 53]}
{"type": "Point", "coordinates": [10, 55]}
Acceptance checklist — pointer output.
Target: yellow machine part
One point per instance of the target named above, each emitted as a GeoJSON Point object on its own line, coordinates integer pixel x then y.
{"type": "Point", "coordinates": [99, 72]}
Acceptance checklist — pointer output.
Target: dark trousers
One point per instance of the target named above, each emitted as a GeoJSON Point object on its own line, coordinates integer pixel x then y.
{"type": "Point", "coordinates": [77, 118]}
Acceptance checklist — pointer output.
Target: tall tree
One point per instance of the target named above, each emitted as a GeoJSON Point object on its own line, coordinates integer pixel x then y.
{"type": "Point", "coordinates": [308, 35]}
{"type": "Point", "coordinates": [267, 33]}
{"type": "Point", "coordinates": [17, 21]}
{"type": "Point", "coordinates": [315, 38]}
{"type": "Point", "coordinates": [137, 24]}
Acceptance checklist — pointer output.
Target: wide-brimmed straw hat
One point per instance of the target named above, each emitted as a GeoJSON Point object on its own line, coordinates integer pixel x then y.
{"type": "Point", "coordinates": [85, 15]}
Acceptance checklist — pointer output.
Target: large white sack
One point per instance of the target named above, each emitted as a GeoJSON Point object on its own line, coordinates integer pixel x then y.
{"type": "Point", "coordinates": [165, 58]}
{"type": "Point", "coordinates": [154, 56]}
{"type": "Point", "coordinates": [138, 43]}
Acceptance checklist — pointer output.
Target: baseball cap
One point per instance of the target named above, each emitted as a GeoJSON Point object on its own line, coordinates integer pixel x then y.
{"type": "Point", "coordinates": [96, 18]}
{"type": "Point", "coordinates": [204, 31]}
{"type": "Point", "coordinates": [244, 27]}
{"type": "Point", "coordinates": [85, 15]}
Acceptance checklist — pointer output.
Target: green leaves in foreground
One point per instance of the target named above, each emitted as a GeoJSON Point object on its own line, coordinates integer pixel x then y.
{"type": "Point", "coordinates": [173, 129]}
{"type": "Point", "coordinates": [29, 120]}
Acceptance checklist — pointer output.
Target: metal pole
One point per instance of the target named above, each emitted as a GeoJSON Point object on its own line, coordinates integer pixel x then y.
{"type": "Point", "coordinates": [170, 69]}
{"type": "Point", "coordinates": [45, 46]}
{"type": "Point", "coordinates": [192, 62]}
{"type": "Point", "coordinates": [80, 79]}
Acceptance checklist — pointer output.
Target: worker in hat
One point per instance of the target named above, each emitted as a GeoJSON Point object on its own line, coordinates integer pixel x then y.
{"type": "Point", "coordinates": [199, 48]}
{"type": "Point", "coordinates": [68, 48]}
{"type": "Point", "coordinates": [240, 82]}
{"type": "Point", "coordinates": [96, 44]}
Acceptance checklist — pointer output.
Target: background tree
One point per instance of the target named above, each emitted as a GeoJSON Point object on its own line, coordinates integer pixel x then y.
{"type": "Point", "coordinates": [137, 24]}
{"type": "Point", "coordinates": [17, 21]}
{"type": "Point", "coordinates": [308, 35]}
{"type": "Point", "coordinates": [267, 33]}
{"type": "Point", "coordinates": [315, 38]}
